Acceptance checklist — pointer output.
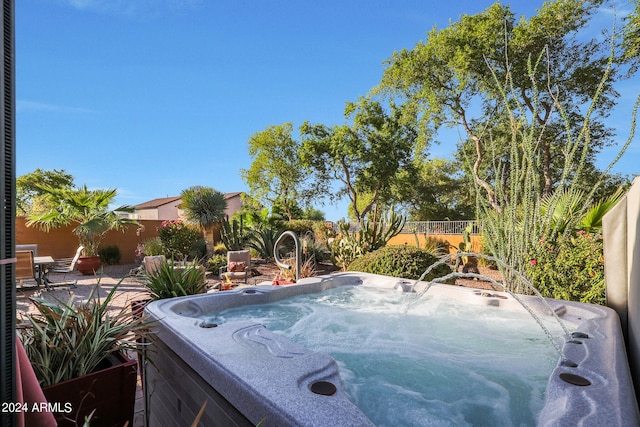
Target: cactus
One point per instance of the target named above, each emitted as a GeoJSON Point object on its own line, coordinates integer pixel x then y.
{"type": "Point", "coordinates": [232, 234]}
{"type": "Point", "coordinates": [372, 236]}
{"type": "Point", "coordinates": [470, 263]}
{"type": "Point", "coordinates": [376, 235]}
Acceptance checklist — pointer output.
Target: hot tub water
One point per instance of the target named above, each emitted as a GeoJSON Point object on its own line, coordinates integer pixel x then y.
{"type": "Point", "coordinates": [441, 363]}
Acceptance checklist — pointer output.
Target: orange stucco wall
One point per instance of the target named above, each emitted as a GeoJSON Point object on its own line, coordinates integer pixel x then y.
{"type": "Point", "coordinates": [62, 243]}
{"type": "Point", "coordinates": [453, 239]}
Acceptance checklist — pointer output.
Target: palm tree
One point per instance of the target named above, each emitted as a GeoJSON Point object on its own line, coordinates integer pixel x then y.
{"type": "Point", "coordinates": [203, 207]}
{"type": "Point", "coordinates": [88, 209]}
{"type": "Point", "coordinates": [567, 209]}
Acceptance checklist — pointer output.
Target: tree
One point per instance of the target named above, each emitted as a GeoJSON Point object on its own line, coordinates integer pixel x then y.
{"type": "Point", "coordinates": [313, 214]}
{"type": "Point", "coordinates": [437, 191]}
{"type": "Point", "coordinates": [203, 207]}
{"type": "Point", "coordinates": [87, 209]}
{"type": "Point", "coordinates": [275, 176]}
{"type": "Point", "coordinates": [365, 156]}
{"type": "Point", "coordinates": [30, 198]}
{"type": "Point", "coordinates": [458, 78]}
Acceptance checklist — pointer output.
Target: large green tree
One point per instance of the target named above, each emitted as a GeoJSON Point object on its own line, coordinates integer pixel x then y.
{"type": "Point", "coordinates": [275, 177]}
{"type": "Point", "coordinates": [31, 198]}
{"type": "Point", "coordinates": [437, 190]}
{"type": "Point", "coordinates": [364, 157]}
{"type": "Point", "coordinates": [487, 69]}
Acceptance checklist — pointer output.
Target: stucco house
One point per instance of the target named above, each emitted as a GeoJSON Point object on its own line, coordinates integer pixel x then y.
{"type": "Point", "coordinates": [168, 208]}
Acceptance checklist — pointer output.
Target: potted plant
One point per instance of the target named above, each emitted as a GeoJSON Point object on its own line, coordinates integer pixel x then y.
{"type": "Point", "coordinates": [78, 351]}
{"type": "Point", "coordinates": [89, 211]}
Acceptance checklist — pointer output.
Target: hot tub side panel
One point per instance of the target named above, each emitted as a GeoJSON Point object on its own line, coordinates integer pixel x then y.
{"type": "Point", "coordinates": [175, 393]}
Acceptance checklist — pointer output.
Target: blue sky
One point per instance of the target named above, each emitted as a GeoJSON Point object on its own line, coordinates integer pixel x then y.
{"type": "Point", "coordinates": [154, 96]}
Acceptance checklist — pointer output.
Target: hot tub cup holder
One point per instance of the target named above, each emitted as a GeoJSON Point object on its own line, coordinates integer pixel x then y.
{"type": "Point", "coordinates": [324, 388]}
{"type": "Point", "coordinates": [208, 325]}
{"type": "Point", "coordinates": [574, 379]}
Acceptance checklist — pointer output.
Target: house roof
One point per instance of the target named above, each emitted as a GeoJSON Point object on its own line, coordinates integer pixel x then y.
{"type": "Point", "coordinates": [156, 203]}
{"type": "Point", "coordinates": [230, 195]}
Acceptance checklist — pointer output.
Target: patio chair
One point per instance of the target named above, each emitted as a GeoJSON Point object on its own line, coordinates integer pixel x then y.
{"type": "Point", "coordinates": [66, 265]}
{"type": "Point", "coordinates": [29, 247]}
{"type": "Point", "coordinates": [25, 268]}
{"type": "Point", "coordinates": [238, 266]}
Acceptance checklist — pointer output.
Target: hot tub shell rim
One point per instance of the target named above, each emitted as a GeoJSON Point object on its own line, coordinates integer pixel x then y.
{"type": "Point", "coordinates": [563, 401]}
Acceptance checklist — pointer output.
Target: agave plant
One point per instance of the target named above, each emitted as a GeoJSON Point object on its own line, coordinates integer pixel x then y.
{"type": "Point", "coordinates": [169, 281]}
{"type": "Point", "coordinates": [65, 340]}
{"type": "Point", "coordinates": [263, 239]}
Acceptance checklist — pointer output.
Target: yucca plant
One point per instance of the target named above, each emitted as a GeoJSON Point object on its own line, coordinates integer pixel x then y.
{"type": "Point", "coordinates": [65, 340]}
{"type": "Point", "coordinates": [169, 281]}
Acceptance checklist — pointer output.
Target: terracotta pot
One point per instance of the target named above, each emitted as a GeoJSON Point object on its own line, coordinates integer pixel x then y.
{"type": "Point", "coordinates": [110, 392]}
{"type": "Point", "coordinates": [88, 265]}
{"type": "Point", "coordinates": [137, 307]}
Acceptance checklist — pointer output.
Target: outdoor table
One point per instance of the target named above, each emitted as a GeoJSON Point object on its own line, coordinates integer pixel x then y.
{"type": "Point", "coordinates": [43, 263]}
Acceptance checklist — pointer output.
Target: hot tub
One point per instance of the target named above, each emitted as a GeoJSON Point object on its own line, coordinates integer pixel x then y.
{"type": "Point", "coordinates": [247, 374]}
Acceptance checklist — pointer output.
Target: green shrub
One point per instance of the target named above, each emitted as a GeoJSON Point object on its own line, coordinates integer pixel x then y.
{"type": "Point", "coordinates": [219, 249]}
{"type": "Point", "coordinates": [152, 247]}
{"type": "Point", "coordinates": [110, 254]}
{"type": "Point", "coordinates": [178, 238]}
{"type": "Point", "coordinates": [215, 262]}
{"type": "Point", "coordinates": [407, 262]}
{"type": "Point", "coordinates": [169, 281]}
{"type": "Point", "coordinates": [570, 269]}
{"type": "Point", "coordinates": [199, 249]}
{"type": "Point", "coordinates": [301, 227]}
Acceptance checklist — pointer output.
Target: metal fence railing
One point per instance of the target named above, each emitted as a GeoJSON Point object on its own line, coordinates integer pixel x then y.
{"type": "Point", "coordinates": [440, 227]}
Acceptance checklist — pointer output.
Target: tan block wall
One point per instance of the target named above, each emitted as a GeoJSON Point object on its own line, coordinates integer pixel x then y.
{"type": "Point", "coordinates": [453, 239]}
{"type": "Point", "coordinates": [62, 243]}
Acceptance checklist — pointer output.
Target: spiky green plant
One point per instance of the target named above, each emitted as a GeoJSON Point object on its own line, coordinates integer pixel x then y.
{"type": "Point", "coordinates": [263, 240]}
{"type": "Point", "coordinates": [64, 340]}
{"type": "Point", "coordinates": [170, 281]}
